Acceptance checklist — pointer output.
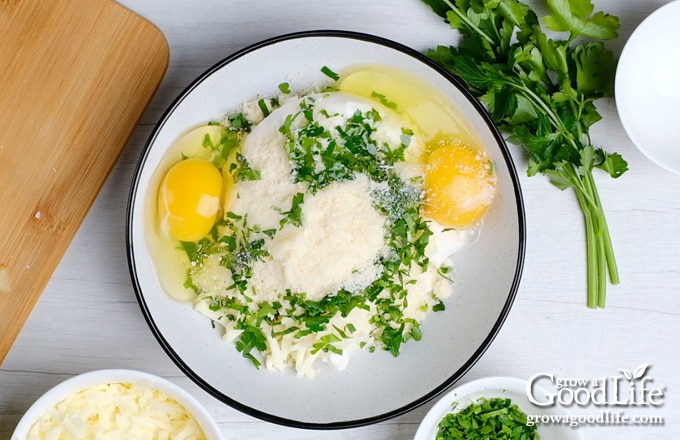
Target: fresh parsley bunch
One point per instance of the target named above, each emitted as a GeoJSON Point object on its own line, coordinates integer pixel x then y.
{"type": "Point", "coordinates": [541, 91]}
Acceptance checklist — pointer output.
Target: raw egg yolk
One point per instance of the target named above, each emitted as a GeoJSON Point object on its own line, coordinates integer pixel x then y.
{"type": "Point", "coordinates": [189, 199]}
{"type": "Point", "coordinates": [459, 184]}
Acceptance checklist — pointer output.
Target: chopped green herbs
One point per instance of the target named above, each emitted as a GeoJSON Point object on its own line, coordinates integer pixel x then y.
{"type": "Point", "coordinates": [263, 107]}
{"type": "Point", "coordinates": [251, 338]}
{"type": "Point", "coordinates": [321, 156]}
{"type": "Point", "coordinates": [294, 215]}
{"type": "Point", "coordinates": [383, 100]}
{"type": "Point", "coordinates": [229, 141]}
{"type": "Point", "coordinates": [284, 88]}
{"type": "Point", "coordinates": [541, 91]}
{"type": "Point", "coordinates": [239, 123]}
{"type": "Point", "coordinates": [244, 171]}
{"type": "Point", "coordinates": [329, 73]}
{"type": "Point", "coordinates": [494, 418]}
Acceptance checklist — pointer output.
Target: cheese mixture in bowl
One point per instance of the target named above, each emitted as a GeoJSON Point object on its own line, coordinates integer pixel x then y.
{"type": "Point", "coordinates": [311, 225]}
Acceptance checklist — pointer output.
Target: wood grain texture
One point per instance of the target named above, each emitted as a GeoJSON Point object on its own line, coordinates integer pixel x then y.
{"type": "Point", "coordinates": [75, 77]}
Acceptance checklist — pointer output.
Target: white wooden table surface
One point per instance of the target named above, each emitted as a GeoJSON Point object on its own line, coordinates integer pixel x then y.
{"type": "Point", "coordinates": [88, 317]}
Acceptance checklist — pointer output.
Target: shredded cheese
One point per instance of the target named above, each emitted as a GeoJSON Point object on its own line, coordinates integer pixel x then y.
{"type": "Point", "coordinates": [117, 411]}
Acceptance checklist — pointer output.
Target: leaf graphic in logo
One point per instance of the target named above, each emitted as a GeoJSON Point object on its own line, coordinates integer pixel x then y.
{"type": "Point", "coordinates": [640, 371]}
{"type": "Point", "coordinates": [627, 374]}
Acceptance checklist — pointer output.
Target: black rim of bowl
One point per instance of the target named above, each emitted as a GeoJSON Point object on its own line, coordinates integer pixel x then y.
{"type": "Point", "coordinates": [456, 375]}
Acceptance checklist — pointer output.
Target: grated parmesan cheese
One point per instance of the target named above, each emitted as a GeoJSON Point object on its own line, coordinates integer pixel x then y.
{"type": "Point", "coordinates": [117, 411]}
{"type": "Point", "coordinates": [342, 236]}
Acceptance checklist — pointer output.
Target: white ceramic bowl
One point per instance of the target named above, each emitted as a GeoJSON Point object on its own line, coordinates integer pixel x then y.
{"type": "Point", "coordinates": [375, 386]}
{"type": "Point", "coordinates": [98, 377]}
{"type": "Point", "coordinates": [647, 89]}
{"type": "Point", "coordinates": [492, 387]}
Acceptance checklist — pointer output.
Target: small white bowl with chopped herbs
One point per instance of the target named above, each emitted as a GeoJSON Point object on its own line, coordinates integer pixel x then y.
{"type": "Point", "coordinates": [489, 405]}
{"type": "Point", "coordinates": [117, 403]}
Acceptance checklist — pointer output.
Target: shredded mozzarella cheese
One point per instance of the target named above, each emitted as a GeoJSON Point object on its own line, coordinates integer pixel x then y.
{"type": "Point", "coordinates": [117, 411]}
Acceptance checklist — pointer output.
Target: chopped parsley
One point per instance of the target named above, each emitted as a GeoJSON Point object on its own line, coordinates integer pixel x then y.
{"type": "Point", "coordinates": [329, 73]}
{"type": "Point", "coordinates": [294, 215]}
{"type": "Point", "coordinates": [263, 107]}
{"type": "Point", "coordinates": [238, 123]}
{"type": "Point", "coordinates": [494, 418]}
{"type": "Point", "coordinates": [383, 100]}
{"type": "Point", "coordinates": [243, 170]}
{"type": "Point", "coordinates": [229, 141]}
{"type": "Point", "coordinates": [321, 156]}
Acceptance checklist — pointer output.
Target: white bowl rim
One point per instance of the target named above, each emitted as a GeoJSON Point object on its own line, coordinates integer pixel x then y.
{"type": "Point", "coordinates": [115, 375]}
{"type": "Point", "coordinates": [456, 375]}
{"type": "Point", "coordinates": [651, 150]}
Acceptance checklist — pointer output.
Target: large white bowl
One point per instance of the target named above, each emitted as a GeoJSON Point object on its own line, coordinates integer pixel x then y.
{"type": "Point", "coordinates": [375, 386]}
{"type": "Point", "coordinates": [647, 89]}
{"type": "Point", "coordinates": [98, 377]}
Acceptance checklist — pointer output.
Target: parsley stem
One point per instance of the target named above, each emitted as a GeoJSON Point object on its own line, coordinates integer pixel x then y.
{"type": "Point", "coordinates": [600, 260]}
{"type": "Point", "coordinates": [533, 97]}
{"type": "Point", "coordinates": [601, 273]}
{"type": "Point", "coordinates": [608, 247]}
{"type": "Point", "coordinates": [554, 117]}
{"type": "Point", "coordinates": [599, 251]}
{"type": "Point", "coordinates": [591, 248]}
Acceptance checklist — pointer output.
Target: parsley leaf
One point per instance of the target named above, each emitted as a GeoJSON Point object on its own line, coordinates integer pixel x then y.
{"type": "Point", "coordinates": [577, 18]}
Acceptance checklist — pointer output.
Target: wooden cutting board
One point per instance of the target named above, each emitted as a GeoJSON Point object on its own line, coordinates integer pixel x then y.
{"type": "Point", "coordinates": [75, 77]}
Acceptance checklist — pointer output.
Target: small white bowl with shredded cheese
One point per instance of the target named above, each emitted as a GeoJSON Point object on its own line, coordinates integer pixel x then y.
{"type": "Point", "coordinates": [116, 404]}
